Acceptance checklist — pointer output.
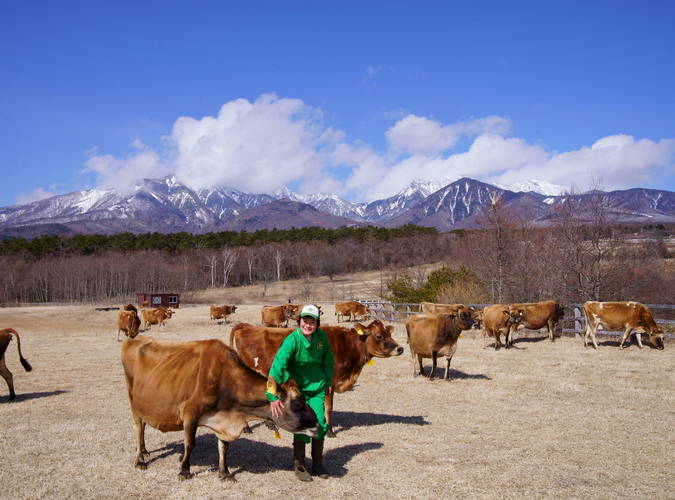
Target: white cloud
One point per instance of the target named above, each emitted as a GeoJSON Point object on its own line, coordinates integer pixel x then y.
{"type": "Point", "coordinates": [418, 135]}
{"type": "Point", "coordinates": [124, 174]}
{"type": "Point", "coordinates": [35, 195]}
{"type": "Point", "coordinates": [615, 162]}
{"type": "Point", "coordinates": [262, 145]}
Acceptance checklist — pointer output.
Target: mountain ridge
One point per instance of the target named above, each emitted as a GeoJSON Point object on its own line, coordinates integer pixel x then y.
{"type": "Point", "coordinates": [165, 205]}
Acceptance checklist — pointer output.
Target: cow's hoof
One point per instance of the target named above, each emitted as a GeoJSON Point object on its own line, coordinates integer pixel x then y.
{"type": "Point", "coordinates": [330, 433]}
{"type": "Point", "coordinates": [247, 430]}
{"type": "Point", "coordinates": [185, 475]}
{"type": "Point", "coordinates": [227, 477]}
{"type": "Point", "coordinates": [140, 465]}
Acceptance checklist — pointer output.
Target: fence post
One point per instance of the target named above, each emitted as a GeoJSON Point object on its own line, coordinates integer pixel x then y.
{"type": "Point", "coordinates": [577, 322]}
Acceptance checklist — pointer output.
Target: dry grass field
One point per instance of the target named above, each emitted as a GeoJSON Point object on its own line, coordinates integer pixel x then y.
{"type": "Point", "coordinates": [541, 420]}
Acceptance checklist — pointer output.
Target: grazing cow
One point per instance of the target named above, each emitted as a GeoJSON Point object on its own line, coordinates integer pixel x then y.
{"type": "Point", "coordinates": [536, 315]}
{"type": "Point", "coordinates": [433, 308]}
{"type": "Point", "coordinates": [352, 349]}
{"type": "Point", "coordinates": [627, 316]}
{"type": "Point", "coordinates": [5, 339]}
{"type": "Point", "coordinates": [177, 386]}
{"type": "Point", "coordinates": [155, 316]}
{"type": "Point", "coordinates": [434, 335]}
{"type": "Point", "coordinates": [222, 312]}
{"type": "Point", "coordinates": [497, 319]}
{"type": "Point", "coordinates": [128, 321]}
{"type": "Point", "coordinates": [276, 316]}
{"type": "Point", "coordinates": [351, 309]}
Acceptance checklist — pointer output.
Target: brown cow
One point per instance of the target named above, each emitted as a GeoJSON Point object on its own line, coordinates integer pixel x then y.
{"type": "Point", "coordinates": [433, 308]}
{"type": "Point", "coordinates": [351, 309]}
{"type": "Point", "coordinates": [128, 321]}
{"type": "Point", "coordinates": [627, 316]}
{"type": "Point", "coordinates": [352, 349]}
{"type": "Point", "coordinates": [155, 316]}
{"type": "Point", "coordinates": [536, 315]}
{"type": "Point", "coordinates": [277, 316]}
{"type": "Point", "coordinates": [177, 386]}
{"type": "Point", "coordinates": [5, 339]}
{"type": "Point", "coordinates": [434, 335]}
{"type": "Point", "coordinates": [497, 319]}
{"type": "Point", "coordinates": [222, 312]}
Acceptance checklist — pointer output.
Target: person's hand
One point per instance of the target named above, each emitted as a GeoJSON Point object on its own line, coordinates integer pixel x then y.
{"type": "Point", "coordinates": [277, 408]}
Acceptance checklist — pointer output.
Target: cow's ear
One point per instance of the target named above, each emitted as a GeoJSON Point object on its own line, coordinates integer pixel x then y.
{"type": "Point", "coordinates": [289, 386]}
{"type": "Point", "coordinates": [506, 312]}
{"type": "Point", "coordinates": [390, 329]}
{"type": "Point", "coordinates": [358, 326]}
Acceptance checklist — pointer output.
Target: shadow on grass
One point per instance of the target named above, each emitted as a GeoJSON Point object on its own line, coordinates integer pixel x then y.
{"type": "Point", "coordinates": [344, 420]}
{"type": "Point", "coordinates": [452, 374]}
{"type": "Point", "coordinates": [31, 395]}
{"type": "Point", "coordinates": [259, 458]}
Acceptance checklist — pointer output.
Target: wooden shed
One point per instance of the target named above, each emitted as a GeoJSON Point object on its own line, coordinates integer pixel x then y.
{"type": "Point", "coordinates": [158, 299]}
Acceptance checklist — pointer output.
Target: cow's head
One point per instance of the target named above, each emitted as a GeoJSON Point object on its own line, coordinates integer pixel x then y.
{"type": "Point", "coordinates": [378, 339]}
{"type": "Point", "coordinates": [652, 328]}
{"type": "Point", "coordinates": [292, 311]}
{"type": "Point", "coordinates": [514, 316]}
{"type": "Point", "coordinates": [477, 317]}
{"type": "Point", "coordinates": [297, 417]}
{"type": "Point", "coordinates": [233, 308]}
{"type": "Point", "coordinates": [465, 317]}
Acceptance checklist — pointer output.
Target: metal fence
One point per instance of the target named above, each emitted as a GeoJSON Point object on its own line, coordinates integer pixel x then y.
{"type": "Point", "coordinates": [395, 312]}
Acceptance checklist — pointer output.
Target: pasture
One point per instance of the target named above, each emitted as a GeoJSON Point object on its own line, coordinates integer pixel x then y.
{"type": "Point", "coordinates": [541, 420]}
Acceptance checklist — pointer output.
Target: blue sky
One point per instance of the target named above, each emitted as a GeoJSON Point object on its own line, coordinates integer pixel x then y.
{"type": "Point", "coordinates": [355, 98]}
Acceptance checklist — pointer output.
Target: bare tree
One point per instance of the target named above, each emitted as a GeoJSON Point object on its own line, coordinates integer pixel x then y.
{"type": "Point", "coordinates": [229, 257]}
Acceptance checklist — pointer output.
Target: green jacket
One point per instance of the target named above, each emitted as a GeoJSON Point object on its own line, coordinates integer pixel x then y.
{"type": "Point", "coordinates": [310, 364]}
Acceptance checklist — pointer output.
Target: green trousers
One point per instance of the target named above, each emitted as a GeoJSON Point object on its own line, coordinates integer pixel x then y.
{"type": "Point", "coordinates": [317, 404]}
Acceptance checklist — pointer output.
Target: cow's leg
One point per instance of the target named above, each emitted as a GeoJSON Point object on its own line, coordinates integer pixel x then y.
{"type": "Point", "coordinates": [7, 375]}
{"type": "Point", "coordinates": [447, 368]}
{"type": "Point", "coordinates": [434, 359]}
{"type": "Point", "coordinates": [485, 335]}
{"type": "Point", "coordinates": [328, 406]}
{"type": "Point", "coordinates": [419, 361]}
{"type": "Point", "coordinates": [551, 326]}
{"type": "Point", "coordinates": [223, 471]}
{"type": "Point", "coordinates": [626, 335]}
{"type": "Point", "coordinates": [638, 337]}
{"type": "Point", "coordinates": [498, 342]}
{"type": "Point", "coordinates": [190, 430]}
{"type": "Point", "coordinates": [593, 339]}
{"type": "Point", "coordinates": [139, 433]}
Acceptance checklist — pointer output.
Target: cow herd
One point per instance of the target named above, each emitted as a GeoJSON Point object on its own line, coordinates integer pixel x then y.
{"type": "Point", "coordinates": [176, 386]}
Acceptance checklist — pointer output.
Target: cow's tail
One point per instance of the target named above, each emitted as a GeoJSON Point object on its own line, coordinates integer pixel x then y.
{"type": "Point", "coordinates": [232, 333]}
{"type": "Point", "coordinates": [24, 362]}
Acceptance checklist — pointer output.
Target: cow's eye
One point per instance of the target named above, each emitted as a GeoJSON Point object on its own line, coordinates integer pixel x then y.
{"type": "Point", "coordinates": [379, 338]}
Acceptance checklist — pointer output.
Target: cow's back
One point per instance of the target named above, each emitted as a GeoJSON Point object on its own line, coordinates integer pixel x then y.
{"type": "Point", "coordinates": [537, 314]}
{"type": "Point", "coordinates": [161, 375]}
{"type": "Point", "coordinates": [423, 332]}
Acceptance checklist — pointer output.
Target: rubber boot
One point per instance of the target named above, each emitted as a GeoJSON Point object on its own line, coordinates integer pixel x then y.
{"type": "Point", "coordinates": [317, 459]}
{"type": "Point", "coordinates": [299, 461]}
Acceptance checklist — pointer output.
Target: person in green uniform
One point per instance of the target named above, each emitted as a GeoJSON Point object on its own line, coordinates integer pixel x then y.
{"type": "Point", "coordinates": [306, 357]}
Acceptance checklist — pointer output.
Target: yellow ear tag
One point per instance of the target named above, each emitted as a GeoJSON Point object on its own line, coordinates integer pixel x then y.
{"type": "Point", "coordinates": [359, 331]}
{"type": "Point", "coordinates": [461, 335]}
{"type": "Point", "coordinates": [277, 435]}
{"type": "Point", "coordinates": [371, 362]}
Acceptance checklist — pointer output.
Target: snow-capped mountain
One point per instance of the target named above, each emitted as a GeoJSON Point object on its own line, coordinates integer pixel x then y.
{"type": "Point", "coordinates": [165, 205]}
{"type": "Point", "coordinates": [535, 186]}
